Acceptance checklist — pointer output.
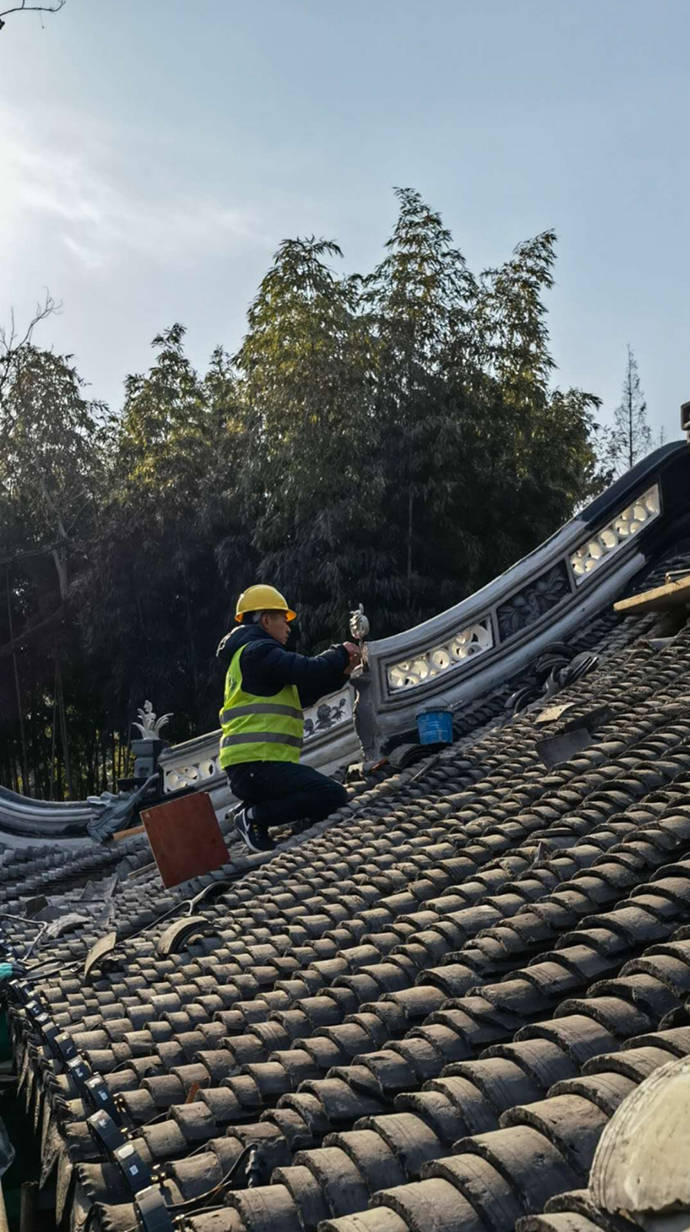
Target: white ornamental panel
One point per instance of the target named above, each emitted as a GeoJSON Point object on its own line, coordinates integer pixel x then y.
{"type": "Point", "coordinates": [467, 644]}
{"type": "Point", "coordinates": [188, 773]}
{"type": "Point", "coordinates": [626, 524]}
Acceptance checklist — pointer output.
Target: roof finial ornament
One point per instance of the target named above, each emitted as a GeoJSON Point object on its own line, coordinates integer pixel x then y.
{"type": "Point", "coordinates": [364, 710]}
{"type": "Point", "coordinates": [150, 726]}
{"type": "Point", "coordinates": [359, 624]}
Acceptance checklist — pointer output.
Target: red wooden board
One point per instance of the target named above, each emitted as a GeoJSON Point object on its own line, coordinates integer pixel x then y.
{"type": "Point", "coordinates": [185, 838]}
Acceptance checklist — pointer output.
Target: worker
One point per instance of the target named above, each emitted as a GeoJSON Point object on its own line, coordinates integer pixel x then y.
{"type": "Point", "coordinates": [266, 688]}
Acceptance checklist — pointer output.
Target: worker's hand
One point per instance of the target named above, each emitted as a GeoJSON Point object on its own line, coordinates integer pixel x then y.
{"type": "Point", "coordinates": [354, 655]}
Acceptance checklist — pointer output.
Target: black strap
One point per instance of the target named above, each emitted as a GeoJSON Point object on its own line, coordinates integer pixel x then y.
{"type": "Point", "coordinates": [100, 1098]}
{"type": "Point", "coordinates": [105, 1132]}
{"type": "Point", "coordinates": [152, 1213]}
{"type": "Point", "coordinates": [79, 1070]}
{"type": "Point", "coordinates": [132, 1167]}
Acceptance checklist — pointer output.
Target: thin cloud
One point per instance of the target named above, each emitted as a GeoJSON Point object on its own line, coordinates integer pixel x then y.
{"type": "Point", "coordinates": [68, 186]}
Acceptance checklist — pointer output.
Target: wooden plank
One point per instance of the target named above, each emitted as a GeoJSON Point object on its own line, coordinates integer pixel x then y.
{"type": "Point", "coordinates": [185, 838]}
{"type": "Point", "coordinates": [126, 833]}
{"type": "Point", "coordinates": [144, 868]}
{"type": "Point", "coordinates": [659, 599]}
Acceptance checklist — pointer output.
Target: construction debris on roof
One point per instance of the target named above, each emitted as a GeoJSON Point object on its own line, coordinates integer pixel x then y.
{"type": "Point", "coordinates": [674, 593]}
{"type": "Point", "coordinates": [432, 1003]}
{"type": "Point", "coordinates": [419, 1015]}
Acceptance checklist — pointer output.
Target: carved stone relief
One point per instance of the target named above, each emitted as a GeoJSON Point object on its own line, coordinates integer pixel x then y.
{"type": "Point", "coordinates": [533, 601]}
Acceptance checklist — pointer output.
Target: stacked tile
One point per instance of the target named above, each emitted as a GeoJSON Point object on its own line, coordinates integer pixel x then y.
{"type": "Point", "coordinates": [468, 1095]}
{"type": "Point", "coordinates": [524, 1157]}
{"type": "Point", "coordinates": [338, 1009]}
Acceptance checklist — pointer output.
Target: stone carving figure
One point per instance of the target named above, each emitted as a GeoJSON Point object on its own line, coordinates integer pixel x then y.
{"type": "Point", "coordinates": [364, 710]}
{"type": "Point", "coordinates": [359, 624]}
{"type": "Point", "coordinates": [150, 726]}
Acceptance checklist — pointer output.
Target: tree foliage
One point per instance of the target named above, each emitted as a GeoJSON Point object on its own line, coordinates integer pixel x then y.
{"type": "Point", "coordinates": [305, 373]}
{"type": "Point", "coordinates": [392, 438]}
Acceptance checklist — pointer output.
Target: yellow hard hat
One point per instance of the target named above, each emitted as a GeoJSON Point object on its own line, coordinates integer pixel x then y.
{"type": "Point", "coordinates": [262, 599]}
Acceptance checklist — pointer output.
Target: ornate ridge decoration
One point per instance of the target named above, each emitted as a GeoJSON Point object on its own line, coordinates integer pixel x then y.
{"type": "Point", "coordinates": [533, 601]}
{"type": "Point", "coordinates": [327, 714]}
{"type": "Point", "coordinates": [629, 522]}
{"type": "Point", "coordinates": [468, 643]}
{"type": "Point", "coordinates": [190, 773]}
{"type": "Point", "coordinates": [149, 724]}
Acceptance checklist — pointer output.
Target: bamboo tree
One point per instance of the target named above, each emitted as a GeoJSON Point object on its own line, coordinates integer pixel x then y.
{"type": "Point", "coordinates": [305, 371]}
{"type": "Point", "coordinates": [17, 688]}
{"type": "Point", "coordinates": [421, 298]}
{"type": "Point", "coordinates": [393, 438]}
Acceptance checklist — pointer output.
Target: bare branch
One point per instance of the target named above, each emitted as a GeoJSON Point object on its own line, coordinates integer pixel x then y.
{"type": "Point", "coordinates": [12, 346]}
{"type": "Point", "coordinates": [8, 341]}
{"type": "Point", "coordinates": [32, 8]}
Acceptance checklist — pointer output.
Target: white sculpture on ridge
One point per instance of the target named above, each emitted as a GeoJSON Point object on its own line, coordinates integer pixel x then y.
{"type": "Point", "coordinates": [150, 726]}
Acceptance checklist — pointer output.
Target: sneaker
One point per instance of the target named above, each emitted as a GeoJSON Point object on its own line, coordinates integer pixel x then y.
{"type": "Point", "coordinates": [256, 838]}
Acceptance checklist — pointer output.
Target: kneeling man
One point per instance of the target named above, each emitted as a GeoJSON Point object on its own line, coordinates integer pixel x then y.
{"type": "Point", "coordinates": [266, 688]}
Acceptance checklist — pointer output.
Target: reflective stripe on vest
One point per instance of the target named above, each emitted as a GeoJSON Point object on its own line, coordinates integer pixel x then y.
{"type": "Point", "coordinates": [236, 712]}
{"type": "Point", "coordinates": [259, 738]}
{"type": "Point", "coordinates": [258, 728]}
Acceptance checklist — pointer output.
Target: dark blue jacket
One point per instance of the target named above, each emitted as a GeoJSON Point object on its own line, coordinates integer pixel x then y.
{"type": "Point", "coordinates": [267, 666]}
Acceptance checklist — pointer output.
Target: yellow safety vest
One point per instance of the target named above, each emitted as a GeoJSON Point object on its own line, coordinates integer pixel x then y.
{"type": "Point", "coordinates": [258, 728]}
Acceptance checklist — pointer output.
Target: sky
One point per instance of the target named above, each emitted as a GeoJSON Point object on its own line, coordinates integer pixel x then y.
{"type": "Point", "coordinates": [154, 153]}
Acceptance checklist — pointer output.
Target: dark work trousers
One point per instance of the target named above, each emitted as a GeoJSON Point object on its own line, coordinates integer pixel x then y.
{"type": "Point", "coordinates": [283, 791]}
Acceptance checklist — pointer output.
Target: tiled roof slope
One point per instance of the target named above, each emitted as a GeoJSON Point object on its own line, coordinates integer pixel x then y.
{"type": "Point", "coordinates": [421, 1012]}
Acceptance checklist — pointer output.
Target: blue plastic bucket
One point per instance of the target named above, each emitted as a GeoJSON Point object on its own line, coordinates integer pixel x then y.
{"type": "Point", "coordinates": [435, 726]}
